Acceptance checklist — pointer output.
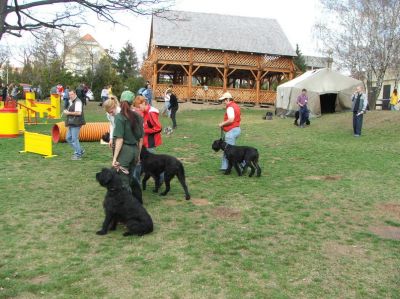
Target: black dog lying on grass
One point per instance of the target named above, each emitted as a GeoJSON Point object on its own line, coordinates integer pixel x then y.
{"type": "Point", "coordinates": [120, 206]}
{"type": "Point", "coordinates": [236, 155]}
{"type": "Point", "coordinates": [153, 165]}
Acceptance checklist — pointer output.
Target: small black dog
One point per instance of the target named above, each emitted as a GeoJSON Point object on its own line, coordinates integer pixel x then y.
{"type": "Point", "coordinates": [106, 137]}
{"type": "Point", "coordinates": [153, 165]}
{"type": "Point", "coordinates": [236, 155]}
{"type": "Point", "coordinates": [120, 206]}
{"type": "Point", "coordinates": [297, 116]}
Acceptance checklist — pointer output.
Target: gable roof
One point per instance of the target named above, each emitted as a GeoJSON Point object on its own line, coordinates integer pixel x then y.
{"type": "Point", "coordinates": [88, 38]}
{"type": "Point", "coordinates": [220, 32]}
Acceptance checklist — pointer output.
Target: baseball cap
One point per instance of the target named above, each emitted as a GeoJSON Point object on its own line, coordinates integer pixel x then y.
{"type": "Point", "coordinates": [127, 96]}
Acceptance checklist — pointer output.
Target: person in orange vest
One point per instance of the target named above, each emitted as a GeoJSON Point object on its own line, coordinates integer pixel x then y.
{"type": "Point", "coordinates": [230, 125]}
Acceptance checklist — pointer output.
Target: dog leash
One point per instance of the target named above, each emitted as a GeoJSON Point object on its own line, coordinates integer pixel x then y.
{"type": "Point", "coordinates": [119, 168]}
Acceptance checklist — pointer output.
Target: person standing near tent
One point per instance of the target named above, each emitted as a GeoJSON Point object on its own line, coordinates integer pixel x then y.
{"type": "Point", "coordinates": [359, 107]}
{"type": "Point", "coordinates": [230, 125]}
{"type": "Point", "coordinates": [302, 101]}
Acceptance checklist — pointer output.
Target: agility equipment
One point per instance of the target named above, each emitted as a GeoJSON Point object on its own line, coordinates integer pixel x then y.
{"type": "Point", "coordinates": [38, 144]}
{"type": "Point", "coordinates": [52, 109]}
{"type": "Point", "coordinates": [9, 123]}
{"type": "Point", "coordinates": [88, 132]}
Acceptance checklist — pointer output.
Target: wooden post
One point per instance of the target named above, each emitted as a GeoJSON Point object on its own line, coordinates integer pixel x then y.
{"type": "Point", "coordinates": [225, 72]}
{"type": "Point", "coordinates": [189, 96]}
{"type": "Point", "coordinates": [258, 87]}
{"type": "Point", "coordinates": [154, 79]}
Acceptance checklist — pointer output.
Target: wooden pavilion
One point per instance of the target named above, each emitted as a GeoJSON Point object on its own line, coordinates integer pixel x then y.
{"type": "Point", "coordinates": [203, 55]}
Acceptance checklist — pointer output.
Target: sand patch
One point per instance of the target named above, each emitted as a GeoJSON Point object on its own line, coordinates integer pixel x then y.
{"type": "Point", "coordinates": [386, 232]}
{"type": "Point", "coordinates": [200, 201]}
{"type": "Point", "coordinates": [227, 213]}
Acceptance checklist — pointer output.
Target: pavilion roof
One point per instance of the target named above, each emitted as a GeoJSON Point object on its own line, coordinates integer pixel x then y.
{"type": "Point", "coordinates": [220, 32]}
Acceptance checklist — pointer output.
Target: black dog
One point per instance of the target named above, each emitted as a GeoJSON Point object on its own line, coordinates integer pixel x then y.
{"type": "Point", "coordinates": [297, 116]}
{"type": "Point", "coordinates": [120, 205]}
{"type": "Point", "coordinates": [153, 165]}
{"type": "Point", "coordinates": [106, 137]}
{"type": "Point", "coordinates": [236, 155]}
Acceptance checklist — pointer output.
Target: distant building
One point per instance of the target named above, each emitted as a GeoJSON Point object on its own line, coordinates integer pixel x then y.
{"type": "Point", "coordinates": [84, 55]}
{"type": "Point", "coordinates": [315, 62]}
{"type": "Point", "coordinates": [389, 83]}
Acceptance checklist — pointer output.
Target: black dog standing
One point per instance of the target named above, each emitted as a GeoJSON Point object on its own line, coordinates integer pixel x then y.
{"type": "Point", "coordinates": [236, 155]}
{"type": "Point", "coordinates": [120, 206]}
{"type": "Point", "coordinates": [153, 165]}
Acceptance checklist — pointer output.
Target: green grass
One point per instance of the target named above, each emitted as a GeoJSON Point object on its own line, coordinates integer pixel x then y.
{"type": "Point", "coordinates": [304, 229]}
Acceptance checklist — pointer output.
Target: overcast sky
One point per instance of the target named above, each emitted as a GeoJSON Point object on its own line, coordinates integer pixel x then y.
{"type": "Point", "coordinates": [295, 17]}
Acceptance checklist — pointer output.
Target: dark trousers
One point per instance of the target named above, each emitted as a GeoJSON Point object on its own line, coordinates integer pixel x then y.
{"type": "Point", "coordinates": [303, 115]}
{"type": "Point", "coordinates": [357, 123]}
{"type": "Point", "coordinates": [173, 116]}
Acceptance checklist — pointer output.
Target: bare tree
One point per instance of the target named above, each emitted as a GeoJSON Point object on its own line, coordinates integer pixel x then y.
{"type": "Point", "coordinates": [364, 36]}
{"type": "Point", "coordinates": [16, 17]}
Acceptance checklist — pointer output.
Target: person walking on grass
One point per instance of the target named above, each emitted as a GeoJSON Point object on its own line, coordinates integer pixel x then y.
{"type": "Point", "coordinates": [302, 101]}
{"type": "Point", "coordinates": [359, 107]}
{"type": "Point", "coordinates": [75, 120]}
{"type": "Point", "coordinates": [173, 107]}
{"type": "Point", "coordinates": [394, 100]}
{"type": "Point", "coordinates": [167, 94]}
{"type": "Point", "coordinates": [230, 125]}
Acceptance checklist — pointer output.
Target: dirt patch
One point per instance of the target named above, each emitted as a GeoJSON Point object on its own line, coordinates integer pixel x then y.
{"type": "Point", "coordinates": [324, 177]}
{"type": "Point", "coordinates": [188, 159]}
{"type": "Point", "coordinates": [386, 232]}
{"type": "Point", "coordinates": [334, 250]}
{"type": "Point", "coordinates": [392, 209]}
{"type": "Point", "coordinates": [200, 201]}
{"type": "Point", "coordinates": [172, 202]}
{"type": "Point", "coordinates": [39, 279]}
{"type": "Point", "coordinates": [227, 213]}
{"type": "Point", "coordinates": [208, 178]}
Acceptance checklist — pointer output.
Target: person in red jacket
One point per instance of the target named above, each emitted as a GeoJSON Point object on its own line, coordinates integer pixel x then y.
{"type": "Point", "coordinates": [230, 125]}
{"type": "Point", "coordinates": [151, 124]}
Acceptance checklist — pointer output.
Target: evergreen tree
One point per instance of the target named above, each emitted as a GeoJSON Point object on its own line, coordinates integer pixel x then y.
{"type": "Point", "coordinates": [127, 62]}
{"type": "Point", "coordinates": [299, 60]}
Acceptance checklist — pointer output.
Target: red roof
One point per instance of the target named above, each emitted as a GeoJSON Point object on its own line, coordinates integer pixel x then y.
{"type": "Point", "coordinates": [87, 37]}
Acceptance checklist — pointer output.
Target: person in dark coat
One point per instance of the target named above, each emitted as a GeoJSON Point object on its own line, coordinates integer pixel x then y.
{"type": "Point", "coordinates": [173, 107]}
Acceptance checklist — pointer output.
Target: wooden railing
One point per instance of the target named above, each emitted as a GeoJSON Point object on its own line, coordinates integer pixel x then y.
{"type": "Point", "coordinates": [211, 93]}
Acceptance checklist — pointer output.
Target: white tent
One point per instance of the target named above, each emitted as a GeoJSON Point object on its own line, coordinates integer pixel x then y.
{"type": "Point", "coordinates": [327, 90]}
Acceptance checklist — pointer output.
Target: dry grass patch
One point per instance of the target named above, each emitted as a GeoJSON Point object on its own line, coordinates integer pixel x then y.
{"type": "Point", "coordinates": [39, 279]}
{"type": "Point", "coordinates": [324, 177]}
{"type": "Point", "coordinates": [200, 201]}
{"type": "Point", "coordinates": [334, 250]}
{"type": "Point", "coordinates": [227, 213]}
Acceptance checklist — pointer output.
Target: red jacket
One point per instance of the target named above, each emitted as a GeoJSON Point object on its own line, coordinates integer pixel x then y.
{"type": "Point", "coordinates": [236, 120]}
{"type": "Point", "coordinates": [152, 128]}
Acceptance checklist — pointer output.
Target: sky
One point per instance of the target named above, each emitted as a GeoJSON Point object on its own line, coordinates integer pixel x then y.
{"type": "Point", "coordinates": [295, 17]}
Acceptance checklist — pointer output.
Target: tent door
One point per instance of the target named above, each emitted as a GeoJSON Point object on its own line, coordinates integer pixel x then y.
{"type": "Point", "coordinates": [328, 102]}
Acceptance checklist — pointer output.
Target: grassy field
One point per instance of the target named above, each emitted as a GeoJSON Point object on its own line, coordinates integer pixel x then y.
{"type": "Point", "coordinates": [323, 220]}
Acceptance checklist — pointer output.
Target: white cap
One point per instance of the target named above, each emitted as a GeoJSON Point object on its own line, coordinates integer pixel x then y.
{"type": "Point", "coordinates": [226, 95]}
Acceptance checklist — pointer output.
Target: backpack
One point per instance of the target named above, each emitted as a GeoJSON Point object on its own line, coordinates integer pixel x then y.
{"type": "Point", "coordinates": [141, 90]}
